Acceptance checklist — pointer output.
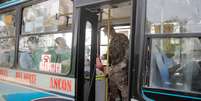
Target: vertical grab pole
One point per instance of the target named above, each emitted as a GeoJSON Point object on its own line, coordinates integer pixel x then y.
{"type": "Point", "coordinates": [109, 30]}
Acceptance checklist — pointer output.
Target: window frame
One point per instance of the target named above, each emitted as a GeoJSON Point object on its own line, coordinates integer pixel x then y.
{"type": "Point", "coordinates": [146, 54]}
{"type": "Point", "coordinates": [35, 2]}
{"type": "Point", "coordinates": [14, 23]}
{"type": "Point", "coordinates": [6, 10]}
{"type": "Point", "coordinates": [138, 58]}
{"type": "Point", "coordinates": [20, 35]}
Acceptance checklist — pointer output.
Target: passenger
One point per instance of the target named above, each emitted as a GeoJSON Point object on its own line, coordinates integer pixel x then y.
{"type": "Point", "coordinates": [61, 54]}
{"type": "Point", "coordinates": [11, 52]}
{"type": "Point", "coordinates": [164, 69]}
{"type": "Point", "coordinates": [118, 55]}
{"type": "Point", "coordinates": [7, 53]}
{"type": "Point", "coordinates": [99, 64]}
{"type": "Point", "coordinates": [32, 59]}
{"type": "Point", "coordinates": [192, 76]}
{"type": "Point", "coordinates": [160, 63]}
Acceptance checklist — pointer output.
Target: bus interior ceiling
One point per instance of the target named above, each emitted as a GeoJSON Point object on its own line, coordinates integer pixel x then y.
{"type": "Point", "coordinates": [120, 13]}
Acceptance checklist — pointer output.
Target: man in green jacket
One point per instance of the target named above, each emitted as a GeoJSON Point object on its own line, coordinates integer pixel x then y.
{"type": "Point", "coordinates": [31, 60]}
{"type": "Point", "coordinates": [61, 54]}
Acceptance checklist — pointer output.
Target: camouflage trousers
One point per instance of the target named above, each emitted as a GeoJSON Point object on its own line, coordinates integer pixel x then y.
{"type": "Point", "coordinates": [118, 84]}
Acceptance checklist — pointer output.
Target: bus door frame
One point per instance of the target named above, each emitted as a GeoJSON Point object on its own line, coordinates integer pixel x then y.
{"type": "Point", "coordinates": [136, 41]}
{"type": "Point", "coordinates": [83, 15]}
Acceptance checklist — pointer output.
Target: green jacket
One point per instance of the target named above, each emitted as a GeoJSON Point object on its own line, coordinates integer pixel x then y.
{"type": "Point", "coordinates": [63, 58]}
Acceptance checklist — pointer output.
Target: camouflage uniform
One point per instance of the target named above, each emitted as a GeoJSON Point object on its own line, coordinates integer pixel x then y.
{"type": "Point", "coordinates": [118, 75]}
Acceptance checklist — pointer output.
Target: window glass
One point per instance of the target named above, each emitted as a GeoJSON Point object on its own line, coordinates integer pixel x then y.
{"type": "Point", "coordinates": [88, 33]}
{"type": "Point", "coordinates": [7, 52]}
{"type": "Point", "coordinates": [103, 38]}
{"type": "Point", "coordinates": [48, 53]}
{"type": "Point", "coordinates": [104, 41]}
{"type": "Point", "coordinates": [123, 29]}
{"type": "Point", "coordinates": [49, 16]}
{"type": "Point", "coordinates": [173, 16]}
{"type": "Point", "coordinates": [176, 63]}
{"type": "Point", "coordinates": [7, 27]}
{"type": "Point", "coordinates": [103, 47]}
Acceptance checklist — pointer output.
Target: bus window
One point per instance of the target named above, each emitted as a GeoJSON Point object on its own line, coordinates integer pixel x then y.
{"type": "Point", "coordinates": [47, 53]}
{"type": "Point", "coordinates": [49, 16]}
{"type": "Point", "coordinates": [103, 47]}
{"type": "Point", "coordinates": [181, 16]}
{"type": "Point", "coordinates": [7, 41]}
{"type": "Point", "coordinates": [7, 27]}
{"type": "Point", "coordinates": [35, 59]}
{"type": "Point", "coordinates": [104, 41]}
{"type": "Point", "coordinates": [176, 64]}
{"type": "Point", "coordinates": [88, 48]}
{"type": "Point", "coordinates": [51, 51]}
{"type": "Point", "coordinates": [7, 51]}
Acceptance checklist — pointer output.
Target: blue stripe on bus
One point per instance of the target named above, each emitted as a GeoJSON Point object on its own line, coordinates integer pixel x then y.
{"type": "Point", "coordinates": [176, 95]}
{"type": "Point", "coordinates": [18, 91]}
{"type": "Point", "coordinates": [61, 94]}
{"type": "Point", "coordinates": [26, 96]}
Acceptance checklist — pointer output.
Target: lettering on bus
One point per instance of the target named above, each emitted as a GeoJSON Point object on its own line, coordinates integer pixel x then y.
{"type": "Point", "coordinates": [3, 74]}
{"type": "Point", "coordinates": [27, 77]}
{"type": "Point", "coordinates": [61, 84]}
{"type": "Point", "coordinates": [47, 66]}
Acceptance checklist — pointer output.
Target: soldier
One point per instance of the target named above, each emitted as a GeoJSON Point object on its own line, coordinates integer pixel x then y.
{"type": "Point", "coordinates": [118, 57]}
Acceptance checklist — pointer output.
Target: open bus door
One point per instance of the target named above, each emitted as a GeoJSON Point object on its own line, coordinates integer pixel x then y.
{"type": "Point", "coordinates": [86, 70]}
{"type": "Point", "coordinates": [169, 56]}
{"type": "Point", "coordinates": [87, 18]}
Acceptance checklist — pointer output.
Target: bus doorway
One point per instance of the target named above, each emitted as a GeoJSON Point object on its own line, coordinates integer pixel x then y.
{"type": "Point", "coordinates": [93, 26]}
{"type": "Point", "coordinates": [86, 40]}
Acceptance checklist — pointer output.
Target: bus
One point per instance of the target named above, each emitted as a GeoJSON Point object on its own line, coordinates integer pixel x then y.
{"type": "Point", "coordinates": [49, 49]}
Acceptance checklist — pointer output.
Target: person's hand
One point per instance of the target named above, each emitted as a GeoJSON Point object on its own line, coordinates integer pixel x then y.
{"type": "Point", "coordinates": [65, 66]}
{"type": "Point", "coordinates": [99, 65]}
{"type": "Point", "coordinates": [65, 62]}
{"type": "Point", "coordinates": [107, 70]}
